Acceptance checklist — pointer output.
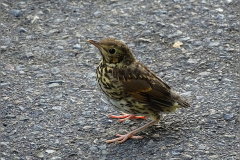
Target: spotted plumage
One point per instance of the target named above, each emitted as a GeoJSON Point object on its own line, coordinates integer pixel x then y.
{"type": "Point", "coordinates": [131, 87]}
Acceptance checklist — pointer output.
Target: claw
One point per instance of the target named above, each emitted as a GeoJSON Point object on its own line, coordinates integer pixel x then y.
{"type": "Point", "coordinates": [123, 138]}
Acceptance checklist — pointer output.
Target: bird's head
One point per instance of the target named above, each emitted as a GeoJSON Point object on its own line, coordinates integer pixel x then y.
{"type": "Point", "coordinates": [114, 52]}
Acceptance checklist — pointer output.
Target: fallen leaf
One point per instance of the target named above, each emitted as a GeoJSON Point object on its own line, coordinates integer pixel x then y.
{"type": "Point", "coordinates": [164, 147]}
{"type": "Point", "coordinates": [177, 44]}
{"type": "Point", "coordinates": [17, 101]}
{"type": "Point", "coordinates": [9, 67]}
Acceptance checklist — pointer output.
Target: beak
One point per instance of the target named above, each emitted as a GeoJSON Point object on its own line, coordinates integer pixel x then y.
{"type": "Point", "coordinates": [95, 43]}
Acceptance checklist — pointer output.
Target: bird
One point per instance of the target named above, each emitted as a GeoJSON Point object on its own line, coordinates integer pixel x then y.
{"type": "Point", "coordinates": [132, 88]}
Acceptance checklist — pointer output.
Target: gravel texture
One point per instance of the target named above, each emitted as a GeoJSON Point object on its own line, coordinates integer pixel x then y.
{"type": "Point", "coordinates": [52, 108]}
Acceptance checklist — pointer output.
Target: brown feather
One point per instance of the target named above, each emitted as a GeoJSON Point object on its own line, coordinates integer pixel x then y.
{"type": "Point", "coordinates": [146, 87]}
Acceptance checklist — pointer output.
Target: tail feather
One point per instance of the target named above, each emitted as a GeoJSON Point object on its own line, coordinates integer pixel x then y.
{"type": "Point", "coordinates": [180, 100]}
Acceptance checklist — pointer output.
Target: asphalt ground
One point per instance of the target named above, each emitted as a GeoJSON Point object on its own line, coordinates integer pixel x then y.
{"type": "Point", "coordinates": [52, 108]}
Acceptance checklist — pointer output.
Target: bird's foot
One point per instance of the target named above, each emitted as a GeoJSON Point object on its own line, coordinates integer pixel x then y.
{"type": "Point", "coordinates": [123, 138]}
{"type": "Point", "coordinates": [127, 116]}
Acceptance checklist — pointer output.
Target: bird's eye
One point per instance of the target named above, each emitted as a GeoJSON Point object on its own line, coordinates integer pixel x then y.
{"type": "Point", "coordinates": [112, 51]}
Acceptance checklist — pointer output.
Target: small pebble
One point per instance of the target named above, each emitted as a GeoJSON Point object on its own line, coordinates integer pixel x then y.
{"type": "Point", "coordinates": [97, 14]}
{"type": "Point", "coordinates": [214, 44]}
{"type": "Point", "coordinates": [76, 46]}
{"type": "Point", "coordinates": [192, 61]}
{"type": "Point", "coordinates": [53, 85]}
{"type": "Point", "coordinates": [16, 13]}
{"type": "Point", "coordinates": [228, 116]}
{"type": "Point", "coordinates": [3, 48]}
{"type": "Point", "coordinates": [142, 23]}
{"type": "Point", "coordinates": [40, 155]}
{"type": "Point", "coordinates": [57, 108]}
{"type": "Point", "coordinates": [22, 30]}
{"type": "Point", "coordinates": [186, 93]}
{"type": "Point", "coordinates": [50, 151]}
{"type": "Point", "coordinates": [55, 70]}
{"type": "Point", "coordinates": [29, 55]}
{"type": "Point", "coordinates": [102, 147]}
{"type": "Point", "coordinates": [204, 73]}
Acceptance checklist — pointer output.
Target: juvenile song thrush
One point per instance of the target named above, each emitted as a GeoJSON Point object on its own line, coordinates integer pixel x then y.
{"type": "Point", "coordinates": [133, 88]}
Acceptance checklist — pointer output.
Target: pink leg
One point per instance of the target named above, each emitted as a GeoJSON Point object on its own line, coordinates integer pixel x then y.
{"type": "Point", "coordinates": [127, 116]}
{"type": "Point", "coordinates": [123, 138]}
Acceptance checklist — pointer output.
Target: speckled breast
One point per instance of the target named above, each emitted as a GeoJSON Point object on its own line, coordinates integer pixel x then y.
{"type": "Point", "coordinates": [109, 85]}
{"type": "Point", "coordinates": [118, 97]}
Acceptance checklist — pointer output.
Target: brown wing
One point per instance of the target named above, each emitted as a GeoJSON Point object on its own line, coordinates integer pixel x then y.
{"type": "Point", "coordinates": [145, 86]}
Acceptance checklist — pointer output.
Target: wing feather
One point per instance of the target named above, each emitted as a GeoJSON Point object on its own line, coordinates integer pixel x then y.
{"type": "Point", "coordinates": [145, 87]}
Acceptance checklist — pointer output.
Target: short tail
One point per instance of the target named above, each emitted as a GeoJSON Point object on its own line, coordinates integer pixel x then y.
{"type": "Point", "coordinates": [180, 100]}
